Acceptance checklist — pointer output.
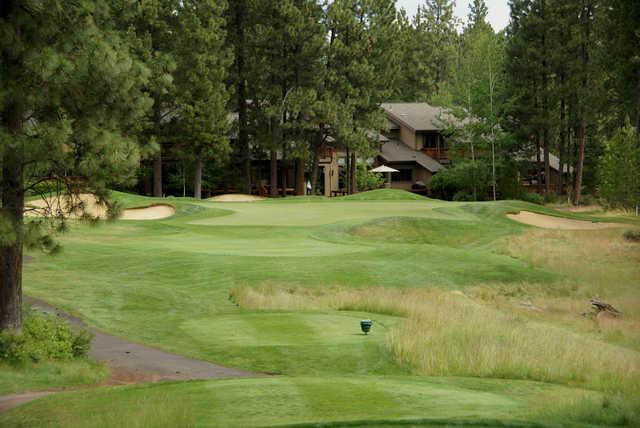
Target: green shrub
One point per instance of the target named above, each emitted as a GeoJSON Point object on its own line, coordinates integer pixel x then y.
{"type": "Point", "coordinates": [367, 180]}
{"type": "Point", "coordinates": [43, 337]}
{"type": "Point", "coordinates": [462, 196]}
{"type": "Point", "coordinates": [534, 198]}
{"type": "Point", "coordinates": [464, 176]}
{"type": "Point", "coordinates": [632, 235]}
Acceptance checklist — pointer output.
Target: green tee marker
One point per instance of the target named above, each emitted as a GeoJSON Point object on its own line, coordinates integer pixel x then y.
{"type": "Point", "coordinates": [365, 325]}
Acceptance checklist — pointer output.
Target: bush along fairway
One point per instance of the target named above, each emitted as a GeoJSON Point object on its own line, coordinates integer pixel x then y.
{"type": "Point", "coordinates": [477, 318]}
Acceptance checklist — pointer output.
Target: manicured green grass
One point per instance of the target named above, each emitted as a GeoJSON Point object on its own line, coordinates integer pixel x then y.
{"type": "Point", "coordinates": [165, 280]}
{"type": "Point", "coordinates": [169, 283]}
{"type": "Point", "coordinates": [297, 400]}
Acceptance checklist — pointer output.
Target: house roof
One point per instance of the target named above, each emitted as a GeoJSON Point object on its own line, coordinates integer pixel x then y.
{"type": "Point", "coordinates": [417, 116]}
{"type": "Point", "coordinates": [554, 161]}
{"type": "Point", "coordinates": [397, 151]}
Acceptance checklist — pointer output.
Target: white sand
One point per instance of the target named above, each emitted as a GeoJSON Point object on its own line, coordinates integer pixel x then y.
{"type": "Point", "coordinates": [71, 208]}
{"type": "Point", "coordinates": [236, 197]}
{"type": "Point", "coordinates": [551, 222]}
{"type": "Point", "coordinates": [154, 212]}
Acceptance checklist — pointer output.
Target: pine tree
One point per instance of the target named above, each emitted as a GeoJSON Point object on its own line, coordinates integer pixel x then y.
{"type": "Point", "coordinates": [240, 19]}
{"type": "Point", "coordinates": [477, 18]}
{"type": "Point", "coordinates": [353, 72]}
{"type": "Point", "coordinates": [201, 122]}
{"type": "Point", "coordinates": [70, 94]}
{"type": "Point", "coordinates": [619, 169]}
{"type": "Point", "coordinates": [152, 25]}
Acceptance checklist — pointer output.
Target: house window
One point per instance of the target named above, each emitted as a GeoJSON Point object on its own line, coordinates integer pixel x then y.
{"type": "Point", "coordinates": [431, 141]}
{"type": "Point", "coordinates": [402, 175]}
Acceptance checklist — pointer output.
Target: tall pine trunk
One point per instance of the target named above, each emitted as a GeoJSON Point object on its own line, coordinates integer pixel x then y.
{"type": "Point", "coordinates": [301, 186]}
{"type": "Point", "coordinates": [352, 175]}
{"type": "Point", "coordinates": [347, 175]}
{"type": "Point", "coordinates": [314, 165]}
{"type": "Point", "coordinates": [157, 174]}
{"type": "Point", "coordinates": [273, 165]}
{"type": "Point", "coordinates": [197, 178]}
{"type": "Point", "coordinates": [241, 88]}
{"type": "Point", "coordinates": [539, 165]}
{"type": "Point", "coordinates": [285, 176]}
{"type": "Point", "coordinates": [13, 208]}
{"type": "Point", "coordinates": [638, 108]}
{"type": "Point", "coordinates": [580, 161]}
{"type": "Point", "coordinates": [561, 150]}
{"type": "Point", "coordinates": [547, 169]}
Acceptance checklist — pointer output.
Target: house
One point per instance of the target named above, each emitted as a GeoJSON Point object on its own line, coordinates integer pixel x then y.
{"type": "Point", "coordinates": [532, 169]}
{"type": "Point", "coordinates": [415, 145]}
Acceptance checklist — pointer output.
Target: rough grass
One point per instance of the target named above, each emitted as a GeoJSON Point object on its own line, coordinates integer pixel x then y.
{"type": "Point", "coordinates": [46, 375]}
{"type": "Point", "coordinates": [448, 334]}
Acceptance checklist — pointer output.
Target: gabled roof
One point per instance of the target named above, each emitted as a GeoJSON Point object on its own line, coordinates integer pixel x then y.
{"type": "Point", "coordinates": [417, 116]}
{"type": "Point", "coordinates": [554, 161]}
{"type": "Point", "coordinates": [397, 151]}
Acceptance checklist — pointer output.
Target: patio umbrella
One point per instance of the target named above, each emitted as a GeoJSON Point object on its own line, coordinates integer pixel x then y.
{"type": "Point", "coordinates": [388, 170]}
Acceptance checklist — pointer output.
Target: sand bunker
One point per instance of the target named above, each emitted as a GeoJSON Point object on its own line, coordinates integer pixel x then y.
{"type": "Point", "coordinates": [236, 197]}
{"type": "Point", "coordinates": [73, 208]}
{"type": "Point", "coordinates": [70, 207]}
{"type": "Point", "coordinates": [153, 212]}
{"type": "Point", "coordinates": [551, 222]}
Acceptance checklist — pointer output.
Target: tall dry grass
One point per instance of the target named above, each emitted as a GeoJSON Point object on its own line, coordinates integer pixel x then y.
{"type": "Point", "coordinates": [449, 334]}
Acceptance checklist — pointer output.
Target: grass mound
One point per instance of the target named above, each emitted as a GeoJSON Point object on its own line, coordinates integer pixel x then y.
{"type": "Point", "coordinates": [386, 195]}
{"type": "Point", "coordinates": [428, 231]}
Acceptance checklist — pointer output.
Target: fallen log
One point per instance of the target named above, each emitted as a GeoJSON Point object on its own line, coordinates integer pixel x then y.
{"type": "Point", "coordinates": [601, 306]}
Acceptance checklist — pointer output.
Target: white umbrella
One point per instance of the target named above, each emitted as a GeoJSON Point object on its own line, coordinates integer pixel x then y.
{"type": "Point", "coordinates": [388, 170]}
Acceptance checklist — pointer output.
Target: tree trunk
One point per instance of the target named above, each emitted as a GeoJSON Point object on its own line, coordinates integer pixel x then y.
{"type": "Point", "coordinates": [473, 171]}
{"type": "Point", "coordinates": [493, 166]}
{"type": "Point", "coordinates": [157, 174]}
{"type": "Point", "coordinates": [13, 209]}
{"type": "Point", "coordinates": [561, 150]}
{"type": "Point", "coordinates": [547, 169]}
{"type": "Point", "coordinates": [352, 175]}
{"type": "Point", "coordinates": [273, 190]}
{"type": "Point", "coordinates": [285, 176]}
{"type": "Point", "coordinates": [347, 174]}
{"type": "Point", "coordinates": [638, 108]}
{"type": "Point", "coordinates": [243, 135]}
{"type": "Point", "coordinates": [538, 160]}
{"type": "Point", "coordinates": [314, 167]}
{"type": "Point", "coordinates": [580, 167]}
{"type": "Point", "coordinates": [197, 178]}
{"type": "Point", "coordinates": [301, 186]}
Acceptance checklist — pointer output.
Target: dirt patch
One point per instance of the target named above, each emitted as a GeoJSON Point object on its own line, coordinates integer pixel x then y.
{"type": "Point", "coordinates": [551, 222]}
{"type": "Point", "coordinates": [14, 400]}
{"type": "Point", "coordinates": [153, 212]}
{"type": "Point", "coordinates": [236, 197]}
{"type": "Point", "coordinates": [73, 207]}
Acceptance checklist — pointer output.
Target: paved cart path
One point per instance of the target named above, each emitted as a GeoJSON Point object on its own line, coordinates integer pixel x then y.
{"type": "Point", "coordinates": [129, 362]}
